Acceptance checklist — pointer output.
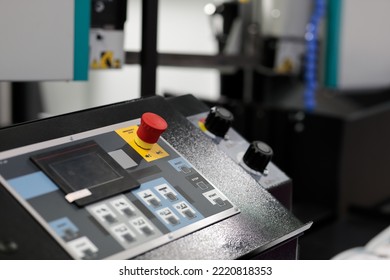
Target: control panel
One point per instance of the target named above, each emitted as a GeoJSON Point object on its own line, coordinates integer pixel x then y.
{"type": "Point", "coordinates": [254, 158]}
{"type": "Point", "coordinates": [113, 192]}
{"type": "Point", "coordinates": [141, 179]}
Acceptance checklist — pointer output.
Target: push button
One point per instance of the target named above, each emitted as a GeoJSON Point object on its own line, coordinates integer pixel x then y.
{"type": "Point", "coordinates": [150, 129]}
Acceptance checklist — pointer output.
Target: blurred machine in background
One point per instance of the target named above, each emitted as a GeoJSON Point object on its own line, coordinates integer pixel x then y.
{"type": "Point", "coordinates": [44, 40]}
{"type": "Point", "coordinates": [106, 34]}
{"type": "Point", "coordinates": [269, 35]}
{"type": "Point", "coordinates": [41, 41]}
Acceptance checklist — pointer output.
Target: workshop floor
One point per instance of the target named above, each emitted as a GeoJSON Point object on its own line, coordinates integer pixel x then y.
{"type": "Point", "coordinates": [324, 241]}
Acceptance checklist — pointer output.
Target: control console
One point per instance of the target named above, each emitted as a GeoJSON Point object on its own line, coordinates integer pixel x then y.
{"type": "Point", "coordinates": [255, 157]}
{"type": "Point", "coordinates": [134, 180]}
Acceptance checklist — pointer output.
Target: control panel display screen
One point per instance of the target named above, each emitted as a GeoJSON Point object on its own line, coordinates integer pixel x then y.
{"type": "Point", "coordinates": [84, 171]}
{"type": "Point", "coordinates": [85, 166]}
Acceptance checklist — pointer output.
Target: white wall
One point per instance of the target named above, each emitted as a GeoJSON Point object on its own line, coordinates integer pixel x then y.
{"type": "Point", "coordinates": [182, 28]}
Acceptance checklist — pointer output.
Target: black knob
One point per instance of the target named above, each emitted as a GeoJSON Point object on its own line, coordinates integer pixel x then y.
{"type": "Point", "coordinates": [219, 121]}
{"type": "Point", "coordinates": [258, 156]}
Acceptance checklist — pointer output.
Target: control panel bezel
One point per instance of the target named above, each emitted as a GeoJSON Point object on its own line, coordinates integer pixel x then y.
{"type": "Point", "coordinates": [147, 244]}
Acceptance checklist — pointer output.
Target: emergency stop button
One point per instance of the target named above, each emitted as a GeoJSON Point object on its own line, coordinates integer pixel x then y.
{"type": "Point", "coordinates": [150, 129]}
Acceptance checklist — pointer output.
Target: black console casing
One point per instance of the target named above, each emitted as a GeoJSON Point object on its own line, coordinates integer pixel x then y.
{"type": "Point", "coordinates": [262, 226]}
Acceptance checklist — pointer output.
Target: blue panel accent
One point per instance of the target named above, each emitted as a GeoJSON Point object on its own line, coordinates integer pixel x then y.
{"type": "Point", "coordinates": [333, 43]}
{"type": "Point", "coordinates": [166, 203]}
{"type": "Point", "coordinates": [63, 226]}
{"type": "Point", "coordinates": [179, 162]}
{"type": "Point", "coordinates": [32, 185]}
{"type": "Point", "coordinates": [82, 15]}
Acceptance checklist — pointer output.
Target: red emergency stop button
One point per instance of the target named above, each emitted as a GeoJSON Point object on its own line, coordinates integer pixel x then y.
{"type": "Point", "coordinates": [150, 129]}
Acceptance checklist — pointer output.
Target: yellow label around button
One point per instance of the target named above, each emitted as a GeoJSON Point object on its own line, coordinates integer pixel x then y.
{"type": "Point", "coordinates": [130, 133]}
{"type": "Point", "coordinates": [202, 126]}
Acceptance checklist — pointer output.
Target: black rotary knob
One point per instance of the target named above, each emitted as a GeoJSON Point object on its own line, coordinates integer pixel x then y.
{"type": "Point", "coordinates": [219, 121]}
{"type": "Point", "coordinates": [258, 155]}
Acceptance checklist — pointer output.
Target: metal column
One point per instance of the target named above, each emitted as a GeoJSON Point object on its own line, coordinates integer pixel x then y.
{"type": "Point", "coordinates": [148, 57]}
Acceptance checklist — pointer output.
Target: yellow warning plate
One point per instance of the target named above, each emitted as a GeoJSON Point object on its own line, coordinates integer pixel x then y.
{"type": "Point", "coordinates": [129, 133]}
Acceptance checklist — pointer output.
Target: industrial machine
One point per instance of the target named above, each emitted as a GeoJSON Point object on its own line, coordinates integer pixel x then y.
{"type": "Point", "coordinates": [151, 178]}
{"type": "Point", "coordinates": [29, 51]}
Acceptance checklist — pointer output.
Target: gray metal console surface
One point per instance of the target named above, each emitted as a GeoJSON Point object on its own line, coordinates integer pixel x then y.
{"type": "Point", "coordinates": [234, 145]}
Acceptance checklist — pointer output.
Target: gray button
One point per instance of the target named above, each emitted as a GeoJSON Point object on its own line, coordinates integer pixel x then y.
{"type": "Point", "coordinates": [128, 237]}
{"type": "Point", "coordinates": [128, 212]}
{"type": "Point", "coordinates": [147, 231]}
{"type": "Point", "coordinates": [171, 196]}
{"type": "Point", "coordinates": [219, 201]}
{"type": "Point", "coordinates": [88, 254]}
{"type": "Point", "coordinates": [109, 218]}
{"type": "Point", "coordinates": [123, 159]}
{"type": "Point", "coordinates": [185, 169]}
{"type": "Point", "coordinates": [69, 234]}
{"type": "Point", "coordinates": [172, 220]}
{"type": "Point", "coordinates": [154, 202]}
{"type": "Point", "coordinates": [202, 185]}
{"type": "Point", "coordinates": [189, 214]}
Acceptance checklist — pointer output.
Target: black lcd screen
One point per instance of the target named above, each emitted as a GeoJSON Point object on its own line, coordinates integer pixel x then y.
{"type": "Point", "coordinates": [85, 166]}
{"type": "Point", "coordinates": [85, 171]}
